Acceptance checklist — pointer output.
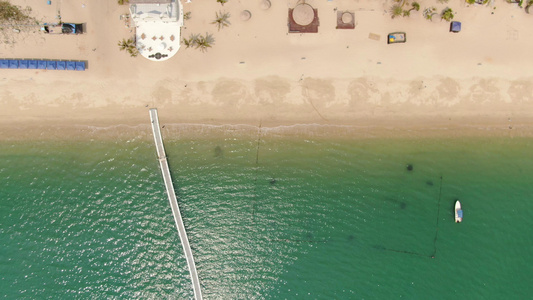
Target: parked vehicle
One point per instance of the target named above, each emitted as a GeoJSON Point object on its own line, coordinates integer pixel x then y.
{"type": "Point", "coordinates": [63, 28]}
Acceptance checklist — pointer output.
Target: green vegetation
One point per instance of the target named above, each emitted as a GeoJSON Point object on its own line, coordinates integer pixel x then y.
{"type": "Point", "coordinates": [222, 20]}
{"type": "Point", "coordinates": [397, 10]}
{"type": "Point", "coordinates": [430, 12]}
{"type": "Point", "coordinates": [10, 13]}
{"type": "Point", "coordinates": [414, 6]}
{"type": "Point", "coordinates": [187, 16]}
{"type": "Point", "coordinates": [199, 41]}
{"type": "Point", "coordinates": [129, 46]}
{"type": "Point", "coordinates": [447, 14]}
{"type": "Point", "coordinates": [222, 1]}
{"type": "Point", "coordinates": [191, 41]}
{"type": "Point", "coordinates": [204, 42]}
{"type": "Point", "coordinates": [122, 2]}
{"type": "Point", "coordinates": [14, 19]}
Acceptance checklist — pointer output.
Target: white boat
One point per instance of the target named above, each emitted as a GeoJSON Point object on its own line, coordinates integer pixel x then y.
{"type": "Point", "coordinates": [458, 212]}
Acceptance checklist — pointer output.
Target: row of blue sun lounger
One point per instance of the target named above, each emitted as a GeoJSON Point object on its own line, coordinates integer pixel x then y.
{"type": "Point", "coordinates": [42, 64]}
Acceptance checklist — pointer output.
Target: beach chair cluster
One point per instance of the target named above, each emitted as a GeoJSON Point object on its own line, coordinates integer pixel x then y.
{"type": "Point", "coordinates": [67, 65]}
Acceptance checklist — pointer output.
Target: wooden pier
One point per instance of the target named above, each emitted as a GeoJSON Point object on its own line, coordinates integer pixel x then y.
{"type": "Point", "coordinates": [174, 203]}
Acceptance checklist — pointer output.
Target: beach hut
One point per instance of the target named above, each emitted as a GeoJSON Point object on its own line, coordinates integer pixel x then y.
{"type": "Point", "coordinates": [71, 65]}
{"type": "Point", "coordinates": [61, 65]}
{"type": "Point", "coordinates": [13, 64]}
{"type": "Point", "coordinates": [41, 64]}
{"type": "Point", "coordinates": [80, 66]}
{"type": "Point", "coordinates": [23, 64]}
{"type": "Point", "coordinates": [455, 26]}
{"type": "Point", "coordinates": [51, 65]}
{"type": "Point", "coordinates": [32, 64]}
{"type": "Point", "coordinates": [4, 64]}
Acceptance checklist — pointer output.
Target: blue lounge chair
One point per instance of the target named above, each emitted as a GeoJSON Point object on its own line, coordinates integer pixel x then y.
{"type": "Point", "coordinates": [41, 64]}
{"type": "Point", "coordinates": [80, 66]}
{"type": "Point", "coordinates": [23, 64]}
{"type": "Point", "coordinates": [61, 65]}
{"type": "Point", "coordinates": [32, 64]}
{"type": "Point", "coordinates": [4, 64]}
{"type": "Point", "coordinates": [13, 64]}
{"type": "Point", "coordinates": [71, 65]}
{"type": "Point", "coordinates": [51, 65]}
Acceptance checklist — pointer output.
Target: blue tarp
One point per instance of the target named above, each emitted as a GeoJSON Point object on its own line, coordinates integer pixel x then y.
{"type": "Point", "coordinates": [455, 26]}
{"type": "Point", "coordinates": [32, 64]}
{"type": "Point", "coordinates": [41, 64]}
{"type": "Point", "coordinates": [51, 65]}
{"type": "Point", "coordinates": [4, 64]}
{"type": "Point", "coordinates": [71, 65]}
{"type": "Point", "coordinates": [61, 65]}
{"type": "Point", "coordinates": [80, 66]}
{"type": "Point", "coordinates": [23, 64]}
{"type": "Point", "coordinates": [13, 64]}
{"type": "Point", "coordinates": [460, 213]}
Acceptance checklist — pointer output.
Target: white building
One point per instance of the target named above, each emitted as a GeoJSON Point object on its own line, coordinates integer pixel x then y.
{"type": "Point", "coordinates": [158, 27]}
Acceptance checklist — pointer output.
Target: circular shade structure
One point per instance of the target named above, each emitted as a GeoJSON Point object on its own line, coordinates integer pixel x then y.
{"type": "Point", "coordinates": [265, 4]}
{"type": "Point", "coordinates": [303, 14]}
{"type": "Point", "coordinates": [246, 15]}
{"type": "Point", "coordinates": [347, 18]}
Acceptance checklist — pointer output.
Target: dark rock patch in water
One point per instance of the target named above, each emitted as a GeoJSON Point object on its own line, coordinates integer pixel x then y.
{"type": "Point", "coordinates": [273, 181]}
{"type": "Point", "coordinates": [402, 204]}
{"type": "Point", "coordinates": [429, 182]}
{"type": "Point", "coordinates": [379, 247]}
{"type": "Point", "coordinates": [410, 167]}
{"type": "Point", "coordinates": [219, 152]}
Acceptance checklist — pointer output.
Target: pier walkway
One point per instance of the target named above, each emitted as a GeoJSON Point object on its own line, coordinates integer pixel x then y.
{"type": "Point", "coordinates": [174, 203]}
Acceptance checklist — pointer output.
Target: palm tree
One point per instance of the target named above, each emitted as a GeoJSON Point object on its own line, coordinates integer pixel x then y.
{"type": "Point", "coordinates": [396, 11]}
{"type": "Point", "coordinates": [222, 1]}
{"type": "Point", "coordinates": [129, 46]}
{"type": "Point", "coordinates": [222, 20]}
{"type": "Point", "coordinates": [204, 42]}
{"type": "Point", "coordinates": [187, 16]}
{"type": "Point", "coordinates": [447, 14]}
{"type": "Point", "coordinates": [191, 41]}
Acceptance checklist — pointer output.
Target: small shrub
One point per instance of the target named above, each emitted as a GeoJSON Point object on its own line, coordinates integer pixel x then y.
{"type": "Point", "coordinates": [430, 12]}
{"type": "Point", "coordinates": [396, 11]}
{"type": "Point", "coordinates": [447, 14]}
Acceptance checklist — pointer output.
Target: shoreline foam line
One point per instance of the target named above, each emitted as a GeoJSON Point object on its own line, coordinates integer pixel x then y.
{"type": "Point", "coordinates": [163, 163]}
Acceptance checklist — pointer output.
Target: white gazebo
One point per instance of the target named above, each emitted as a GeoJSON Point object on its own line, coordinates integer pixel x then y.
{"type": "Point", "coordinates": [158, 27]}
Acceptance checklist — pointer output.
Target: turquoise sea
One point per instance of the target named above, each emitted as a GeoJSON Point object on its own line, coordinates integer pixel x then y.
{"type": "Point", "coordinates": [270, 214]}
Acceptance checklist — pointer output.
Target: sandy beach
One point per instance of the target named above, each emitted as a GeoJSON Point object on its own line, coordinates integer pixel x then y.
{"type": "Point", "coordinates": [256, 73]}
